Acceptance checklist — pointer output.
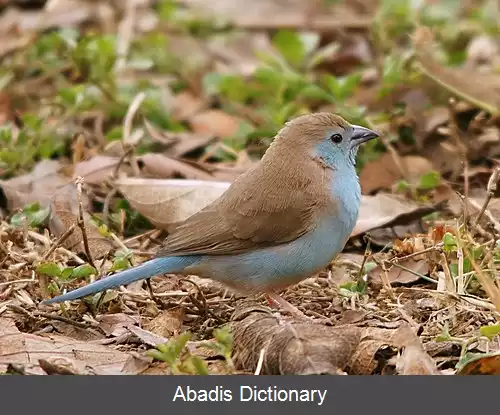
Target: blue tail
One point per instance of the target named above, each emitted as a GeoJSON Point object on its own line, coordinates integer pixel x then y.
{"type": "Point", "coordinates": [146, 270]}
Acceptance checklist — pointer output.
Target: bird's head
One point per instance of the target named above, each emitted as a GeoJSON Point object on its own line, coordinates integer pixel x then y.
{"type": "Point", "coordinates": [325, 136]}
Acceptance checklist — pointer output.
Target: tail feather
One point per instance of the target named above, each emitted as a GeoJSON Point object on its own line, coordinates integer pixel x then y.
{"type": "Point", "coordinates": [146, 270]}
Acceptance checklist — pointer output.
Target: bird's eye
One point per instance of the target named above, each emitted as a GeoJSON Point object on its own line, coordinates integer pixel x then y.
{"type": "Point", "coordinates": [336, 138]}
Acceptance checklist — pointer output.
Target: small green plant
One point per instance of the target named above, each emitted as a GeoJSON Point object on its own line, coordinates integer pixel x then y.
{"type": "Point", "coordinates": [32, 215]}
{"type": "Point", "coordinates": [223, 344]}
{"type": "Point", "coordinates": [178, 357]}
{"type": "Point", "coordinates": [55, 270]}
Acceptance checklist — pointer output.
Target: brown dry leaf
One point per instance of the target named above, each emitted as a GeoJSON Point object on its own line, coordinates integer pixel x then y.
{"type": "Point", "coordinates": [6, 110]}
{"type": "Point", "coordinates": [387, 210]}
{"type": "Point", "coordinates": [178, 143]}
{"type": "Point", "coordinates": [147, 337]}
{"type": "Point", "coordinates": [167, 323]}
{"type": "Point", "coordinates": [37, 186]}
{"type": "Point", "coordinates": [237, 51]}
{"type": "Point", "coordinates": [474, 203]}
{"type": "Point", "coordinates": [198, 57]}
{"type": "Point", "coordinates": [76, 333]}
{"type": "Point", "coordinates": [484, 364]}
{"type": "Point", "coordinates": [482, 90]}
{"type": "Point", "coordinates": [216, 123]}
{"type": "Point", "coordinates": [97, 169]}
{"type": "Point", "coordinates": [303, 348]}
{"type": "Point", "coordinates": [165, 202]}
{"type": "Point", "coordinates": [398, 275]}
{"type": "Point", "coordinates": [414, 360]}
{"type": "Point", "coordinates": [185, 105]}
{"type": "Point", "coordinates": [67, 13]}
{"type": "Point", "coordinates": [82, 357]}
{"type": "Point", "coordinates": [287, 14]}
{"type": "Point", "coordinates": [163, 167]}
{"type": "Point", "coordinates": [384, 172]}
{"type": "Point", "coordinates": [290, 348]}
{"type": "Point", "coordinates": [116, 324]}
{"type": "Point", "coordinates": [40, 184]}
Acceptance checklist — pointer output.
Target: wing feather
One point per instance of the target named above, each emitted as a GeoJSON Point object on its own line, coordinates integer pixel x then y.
{"type": "Point", "coordinates": [274, 203]}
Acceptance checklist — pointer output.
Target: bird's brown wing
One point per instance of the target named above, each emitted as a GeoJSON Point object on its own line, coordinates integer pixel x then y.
{"type": "Point", "coordinates": [265, 207]}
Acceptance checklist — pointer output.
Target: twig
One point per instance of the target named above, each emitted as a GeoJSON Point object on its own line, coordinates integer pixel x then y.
{"type": "Point", "coordinates": [204, 307]}
{"type": "Point", "coordinates": [386, 282]}
{"type": "Point", "coordinates": [460, 145]}
{"type": "Point", "coordinates": [491, 289]}
{"type": "Point", "coordinates": [125, 34]}
{"type": "Point", "coordinates": [260, 362]}
{"type": "Point", "coordinates": [436, 247]}
{"type": "Point", "coordinates": [417, 274]}
{"type": "Point", "coordinates": [81, 222]}
{"type": "Point", "coordinates": [366, 255]}
{"type": "Point", "coordinates": [21, 310]}
{"type": "Point", "coordinates": [127, 128]}
{"type": "Point", "coordinates": [491, 189]}
{"type": "Point", "coordinates": [488, 214]}
{"type": "Point", "coordinates": [447, 273]}
{"type": "Point", "coordinates": [23, 281]}
{"type": "Point", "coordinates": [59, 241]}
{"type": "Point", "coordinates": [107, 201]}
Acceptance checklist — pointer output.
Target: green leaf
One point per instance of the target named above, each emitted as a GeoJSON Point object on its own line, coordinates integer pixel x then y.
{"type": "Point", "coordinates": [224, 337]}
{"type": "Point", "coordinates": [445, 335]}
{"type": "Point", "coordinates": [120, 263]}
{"type": "Point", "coordinates": [315, 92]}
{"type": "Point", "coordinates": [50, 269]}
{"type": "Point", "coordinates": [490, 331]}
{"type": "Point", "coordinates": [402, 186]}
{"type": "Point", "coordinates": [429, 180]}
{"type": "Point", "coordinates": [66, 272]}
{"type": "Point", "coordinates": [290, 46]}
{"type": "Point", "coordinates": [369, 265]}
{"type": "Point", "coordinates": [449, 242]}
{"type": "Point", "coordinates": [199, 365]}
{"type": "Point", "coordinates": [83, 271]}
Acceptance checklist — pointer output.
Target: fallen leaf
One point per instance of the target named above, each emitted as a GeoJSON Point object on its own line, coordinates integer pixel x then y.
{"type": "Point", "coordinates": [237, 52]}
{"type": "Point", "coordinates": [162, 167]}
{"type": "Point", "coordinates": [265, 14]}
{"type": "Point", "coordinates": [387, 210]}
{"type": "Point", "coordinates": [480, 364]}
{"type": "Point", "coordinates": [413, 360]}
{"type": "Point", "coordinates": [482, 90]}
{"type": "Point", "coordinates": [185, 105]}
{"type": "Point", "coordinates": [397, 275]}
{"type": "Point", "coordinates": [165, 202]}
{"type": "Point", "coordinates": [97, 169]}
{"type": "Point", "coordinates": [215, 122]}
{"type": "Point", "coordinates": [383, 173]}
{"type": "Point", "coordinates": [116, 324]}
{"type": "Point", "coordinates": [167, 323]}
{"type": "Point", "coordinates": [147, 337]}
{"type": "Point", "coordinates": [304, 348]}
{"type": "Point", "coordinates": [83, 358]}
{"type": "Point", "coordinates": [6, 110]}
{"type": "Point", "coordinates": [178, 143]}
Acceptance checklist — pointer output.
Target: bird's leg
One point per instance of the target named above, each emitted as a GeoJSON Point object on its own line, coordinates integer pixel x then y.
{"type": "Point", "coordinates": [150, 289]}
{"type": "Point", "coordinates": [286, 306]}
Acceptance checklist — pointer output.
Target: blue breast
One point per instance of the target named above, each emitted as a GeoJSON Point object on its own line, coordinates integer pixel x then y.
{"type": "Point", "coordinates": [290, 263]}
